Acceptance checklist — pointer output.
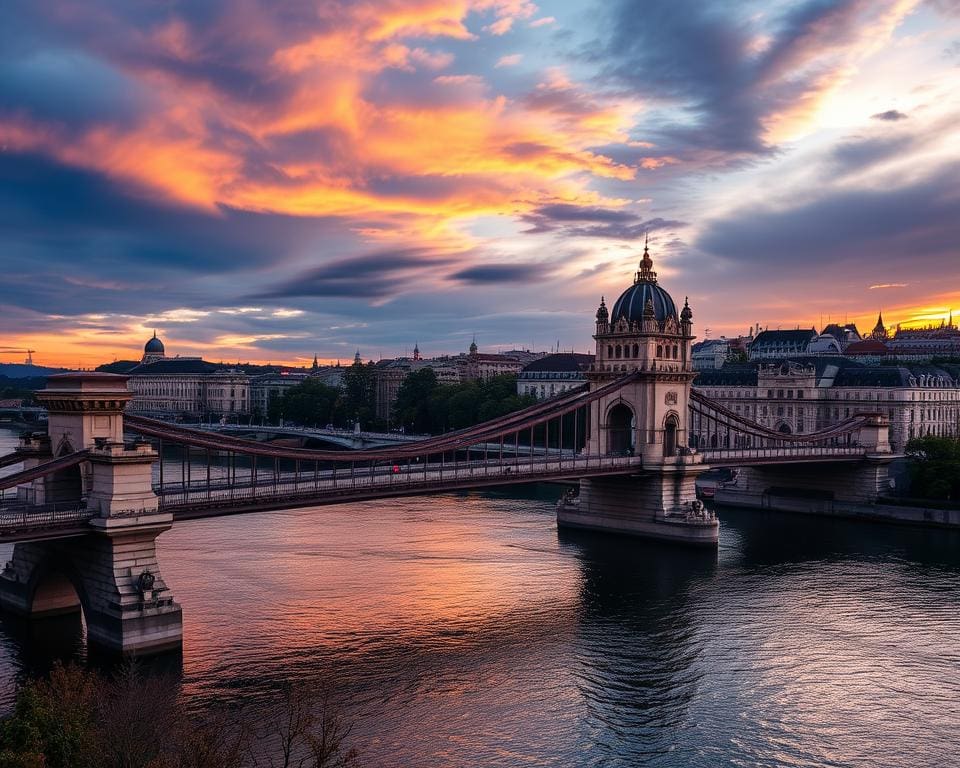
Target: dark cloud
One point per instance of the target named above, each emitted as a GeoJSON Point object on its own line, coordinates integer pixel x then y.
{"type": "Point", "coordinates": [880, 230]}
{"type": "Point", "coordinates": [501, 273]}
{"type": "Point", "coordinates": [700, 59]}
{"type": "Point", "coordinates": [577, 221]}
{"type": "Point", "coordinates": [891, 114]}
{"type": "Point", "coordinates": [67, 87]}
{"type": "Point", "coordinates": [77, 243]}
{"type": "Point", "coordinates": [378, 275]}
{"type": "Point", "coordinates": [857, 154]}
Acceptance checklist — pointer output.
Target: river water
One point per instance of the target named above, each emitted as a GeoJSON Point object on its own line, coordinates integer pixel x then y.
{"type": "Point", "coordinates": [465, 630]}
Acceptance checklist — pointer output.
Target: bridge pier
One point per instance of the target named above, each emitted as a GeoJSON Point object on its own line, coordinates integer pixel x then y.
{"type": "Point", "coordinates": [110, 573]}
{"type": "Point", "coordinates": [661, 504]}
{"type": "Point", "coordinates": [812, 488]}
{"type": "Point", "coordinates": [828, 488]}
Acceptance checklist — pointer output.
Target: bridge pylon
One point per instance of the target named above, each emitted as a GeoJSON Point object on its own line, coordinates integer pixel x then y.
{"type": "Point", "coordinates": [647, 417]}
{"type": "Point", "coordinates": [111, 571]}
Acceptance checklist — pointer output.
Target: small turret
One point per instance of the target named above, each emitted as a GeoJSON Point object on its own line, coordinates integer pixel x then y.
{"type": "Point", "coordinates": [646, 274]}
{"type": "Point", "coordinates": [686, 317]}
{"type": "Point", "coordinates": [649, 323]}
{"type": "Point", "coordinates": [603, 317]}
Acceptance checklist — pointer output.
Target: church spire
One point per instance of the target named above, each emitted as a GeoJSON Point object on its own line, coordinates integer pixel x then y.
{"type": "Point", "coordinates": [645, 273]}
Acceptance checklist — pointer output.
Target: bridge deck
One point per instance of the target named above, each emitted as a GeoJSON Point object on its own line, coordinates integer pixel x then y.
{"type": "Point", "coordinates": [287, 490]}
{"type": "Point", "coordinates": [332, 487]}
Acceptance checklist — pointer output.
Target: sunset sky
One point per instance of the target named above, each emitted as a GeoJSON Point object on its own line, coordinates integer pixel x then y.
{"type": "Point", "coordinates": [264, 180]}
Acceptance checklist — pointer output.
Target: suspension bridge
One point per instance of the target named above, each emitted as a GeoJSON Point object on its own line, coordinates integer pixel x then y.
{"type": "Point", "coordinates": [97, 489]}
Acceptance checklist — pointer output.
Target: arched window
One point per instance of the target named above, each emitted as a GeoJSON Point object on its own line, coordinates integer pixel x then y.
{"type": "Point", "coordinates": [619, 351]}
{"type": "Point", "coordinates": [676, 352]}
{"type": "Point", "coordinates": [609, 350]}
{"type": "Point", "coordinates": [620, 428]}
{"type": "Point", "coordinates": [670, 428]}
{"type": "Point", "coordinates": [636, 350]}
{"type": "Point", "coordinates": [659, 350]}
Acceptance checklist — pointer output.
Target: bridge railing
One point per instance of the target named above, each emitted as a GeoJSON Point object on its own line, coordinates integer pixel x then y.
{"type": "Point", "coordinates": [18, 517]}
{"type": "Point", "coordinates": [781, 453]}
{"type": "Point", "coordinates": [332, 483]}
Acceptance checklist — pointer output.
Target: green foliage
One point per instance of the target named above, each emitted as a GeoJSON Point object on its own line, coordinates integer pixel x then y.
{"type": "Point", "coordinates": [934, 467]}
{"type": "Point", "coordinates": [310, 403]}
{"type": "Point", "coordinates": [78, 719]}
{"type": "Point", "coordinates": [315, 404]}
{"type": "Point", "coordinates": [357, 401]}
{"type": "Point", "coordinates": [53, 723]}
{"type": "Point", "coordinates": [413, 408]}
{"type": "Point", "coordinates": [423, 405]}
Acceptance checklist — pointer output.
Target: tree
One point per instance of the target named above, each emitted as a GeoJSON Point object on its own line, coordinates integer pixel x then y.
{"type": "Point", "coordinates": [54, 723]}
{"type": "Point", "coordinates": [934, 464]}
{"type": "Point", "coordinates": [412, 408]}
{"type": "Point", "coordinates": [310, 403]}
{"type": "Point", "coordinates": [357, 399]}
{"type": "Point", "coordinates": [79, 719]}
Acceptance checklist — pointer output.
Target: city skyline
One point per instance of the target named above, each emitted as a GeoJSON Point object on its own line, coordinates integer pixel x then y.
{"type": "Point", "coordinates": [265, 186]}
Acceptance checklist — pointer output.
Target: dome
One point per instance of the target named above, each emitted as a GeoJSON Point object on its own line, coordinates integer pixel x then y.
{"type": "Point", "coordinates": [824, 344]}
{"type": "Point", "coordinates": [633, 301]}
{"type": "Point", "coordinates": [154, 346]}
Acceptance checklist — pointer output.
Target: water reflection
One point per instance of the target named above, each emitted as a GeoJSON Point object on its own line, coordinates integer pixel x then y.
{"type": "Point", "coordinates": [638, 650]}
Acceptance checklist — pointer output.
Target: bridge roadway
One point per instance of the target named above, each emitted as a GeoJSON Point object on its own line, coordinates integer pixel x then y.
{"type": "Point", "coordinates": [346, 438]}
{"type": "Point", "coordinates": [289, 490]}
{"type": "Point", "coordinates": [350, 439]}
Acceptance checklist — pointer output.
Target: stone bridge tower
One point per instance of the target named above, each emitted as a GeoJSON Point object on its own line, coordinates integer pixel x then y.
{"type": "Point", "coordinates": [647, 418]}
{"type": "Point", "coordinates": [108, 569]}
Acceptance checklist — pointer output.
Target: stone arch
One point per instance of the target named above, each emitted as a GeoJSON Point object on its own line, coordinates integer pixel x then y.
{"type": "Point", "coordinates": [54, 592]}
{"type": "Point", "coordinates": [671, 429]}
{"type": "Point", "coordinates": [784, 429]}
{"type": "Point", "coordinates": [621, 428]}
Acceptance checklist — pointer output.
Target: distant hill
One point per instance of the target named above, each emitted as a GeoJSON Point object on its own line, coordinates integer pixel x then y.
{"type": "Point", "coordinates": [21, 371]}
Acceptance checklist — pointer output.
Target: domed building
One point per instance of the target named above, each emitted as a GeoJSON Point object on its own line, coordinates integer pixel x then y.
{"type": "Point", "coordinates": [640, 385]}
{"type": "Point", "coordinates": [153, 350]}
{"type": "Point", "coordinates": [824, 344]}
{"type": "Point", "coordinates": [644, 333]}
